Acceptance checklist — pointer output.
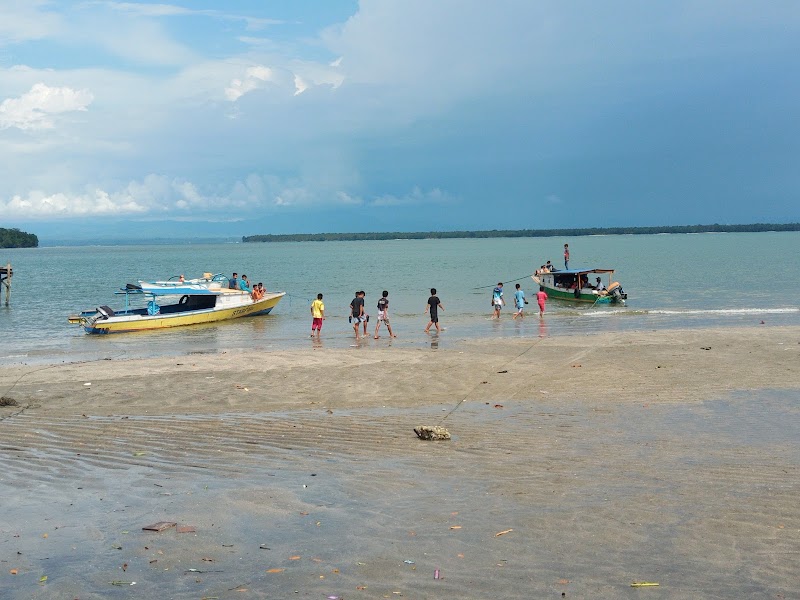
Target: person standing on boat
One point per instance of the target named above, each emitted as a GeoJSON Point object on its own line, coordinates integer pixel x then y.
{"type": "Point", "coordinates": [357, 313]}
{"type": "Point", "coordinates": [497, 300]}
{"type": "Point", "coordinates": [244, 284]}
{"type": "Point", "coordinates": [566, 256]}
{"type": "Point", "coordinates": [519, 302]}
{"type": "Point", "coordinates": [233, 283]}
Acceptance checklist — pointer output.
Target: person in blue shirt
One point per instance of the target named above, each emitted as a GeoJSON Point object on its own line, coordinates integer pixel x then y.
{"type": "Point", "coordinates": [244, 284]}
{"type": "Point", "coordinates": [497, 300]}
{"type": "Point", "coordinates": [519, 302]}
{"type": "Point", "coordinates": [233, 282]}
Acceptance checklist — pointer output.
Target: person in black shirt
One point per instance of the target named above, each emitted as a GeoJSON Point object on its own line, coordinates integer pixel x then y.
{"type": "Point", "coordinates": [383, 315]}
{"type": "Point", "coordinates": [357, 312]}
{"type": "Point", "coordinates": [433, 307]}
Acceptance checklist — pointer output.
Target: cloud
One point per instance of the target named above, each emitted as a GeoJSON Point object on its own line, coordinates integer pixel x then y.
{"type": "Point", "coordinates": [254, 78]}
{"type": "Point", "coordinates": [178, 197]}
{"type": "Point", "coordinates": [172, 10]}
{"type": "Point", "coordinates": [415, 197]}
{"type": "Point", "coordinates": [38, 108]}
{"type": "Point", "coordinates": [24, 20]}
{"type": "Point", "coordinates": [97, 203]}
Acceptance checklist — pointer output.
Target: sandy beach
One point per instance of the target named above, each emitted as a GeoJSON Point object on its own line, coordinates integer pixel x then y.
{"type": "Point", "coordinates": [578, 465]}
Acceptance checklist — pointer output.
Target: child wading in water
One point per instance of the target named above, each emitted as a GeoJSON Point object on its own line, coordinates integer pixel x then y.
{"type": "Point", "coordinates": [519, 302]}
{"type": "Point", "coordinates": [317, 315]}
{"type": "Point", "coordinates": [383, 314]}
{"type": "Point", "coordinates": [432, 308]}
{"type": "Point", "coordinates": [541, 298]}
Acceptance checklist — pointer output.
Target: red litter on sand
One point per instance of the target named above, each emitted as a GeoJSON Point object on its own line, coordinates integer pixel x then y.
{"type": "Point", "coordinates": [436, 574]}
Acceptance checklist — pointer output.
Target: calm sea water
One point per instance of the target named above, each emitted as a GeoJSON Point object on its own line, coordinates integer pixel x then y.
{"type": "Point", "coordinates": [673, 281]}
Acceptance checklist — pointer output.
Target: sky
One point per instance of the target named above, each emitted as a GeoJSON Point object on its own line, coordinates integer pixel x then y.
{"type": "Point", "coordinates": [238, 117]}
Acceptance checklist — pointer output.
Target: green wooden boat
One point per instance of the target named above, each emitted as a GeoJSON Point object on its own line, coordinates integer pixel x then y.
{"type": "Point", "coordinates": [581, 285]}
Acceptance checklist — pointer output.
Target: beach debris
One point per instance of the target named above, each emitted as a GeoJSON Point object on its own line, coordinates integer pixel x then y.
{"type": "Point", "coordinates": [644, 584]}
{"type": "Point", "coordinates": [505, 371]}
{"type": "Point", "coordinates": [505, 531]}
{"type": "Point", "coordinates": [436, 432]}
{"type": "Point", "coordinates": [186, 529]}
{"type": "Point", "coordinates": [122, 582]}
{"type": "Point", "coordinates": [409, 562]}
{"type": "Point", "coordinates": [43, 578]}
{"type": "Point", "coordinates": [455, 527]}
{"type": "Point", "coordinates": [296, 557]}
{"type": "Point", "coordinates": [436, 574]}
{"type": "Point", "coordinates": [13, 571]}
{"type": "Point", "coordinates": [6, 401]}
{"type": "Point", "coordinates": [263, 547]}
{"type": "Point", "coordinates": [160, 526]}
{"type": "Point", "coordinates": [498, 406]}
{"type": "Point", "coordinates": [275, 570]}
{"type": "Point", "coordinates": [87, 384]}
{"type": "Point", "coordinates": [705, 347]}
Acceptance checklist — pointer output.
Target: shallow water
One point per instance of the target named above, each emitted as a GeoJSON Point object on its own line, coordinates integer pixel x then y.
{"type": "Point", "coordinates": [352, 505]}
{"type": "Point", "coordinates": [673, 281]}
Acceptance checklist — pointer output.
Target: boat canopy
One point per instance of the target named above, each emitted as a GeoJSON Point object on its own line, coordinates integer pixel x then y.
{"type": "Point", "coordinates": [579, 271]}
{"type": "Point", "coordinates": [178, 289]}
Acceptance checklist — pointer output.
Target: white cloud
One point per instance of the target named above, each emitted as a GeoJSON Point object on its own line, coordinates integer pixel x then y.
{"type": "Point", "coordinates": [97, 203]}
{"type": "Point", "coordinates": [254, 78]}
{"type": "Point", "coordinates": [38, 108]}
{"type": "Point", "coordinates": [23, 20]}
{"type": "Point", "coordinates": [415, 197]}
{"type": "Point", "coordinates": [172, 10]}
{"type": "Point", "coordinates": [176, 197]}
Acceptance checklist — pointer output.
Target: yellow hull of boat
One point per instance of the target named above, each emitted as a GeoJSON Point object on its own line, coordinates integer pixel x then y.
{"type": "Point", "coordinates": [146, 323]}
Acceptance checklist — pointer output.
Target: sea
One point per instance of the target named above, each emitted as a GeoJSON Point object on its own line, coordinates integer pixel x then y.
{"type": "Point", "coordinates": [673, 281]}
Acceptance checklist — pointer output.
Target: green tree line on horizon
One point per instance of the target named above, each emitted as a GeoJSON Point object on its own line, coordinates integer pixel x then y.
{"type": "Point", "coordinates": [496, 233]}
{"type": "Point", "coordinates": [14, 238]}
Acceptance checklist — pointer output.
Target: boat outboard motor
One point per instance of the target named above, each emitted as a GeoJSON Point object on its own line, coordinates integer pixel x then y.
{"type": "Point", "coordinates": [105, 311]}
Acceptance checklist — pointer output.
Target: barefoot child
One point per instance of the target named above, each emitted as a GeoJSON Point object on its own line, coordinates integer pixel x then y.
{"type": "Point", "coordinates": [433, 307]}
{"type": "Point", "coordinates": [519, 302]}
{"type": "Point", "coordinates": [541, 298]}
{"type": "Point", "coordinates": [383, 314]}
{"type": "Point", "coordinates": [317, 315]}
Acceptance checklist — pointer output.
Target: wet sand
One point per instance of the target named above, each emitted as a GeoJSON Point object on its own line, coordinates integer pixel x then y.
{"type": "Point", "coordinates": [666, 456]}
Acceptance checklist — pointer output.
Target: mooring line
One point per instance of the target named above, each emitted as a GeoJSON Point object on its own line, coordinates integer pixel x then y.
{"type": "Point", "coordinates": [469, 393]}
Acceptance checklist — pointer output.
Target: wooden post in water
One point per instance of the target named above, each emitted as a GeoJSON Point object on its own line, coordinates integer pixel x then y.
{"type": "Point", "coordinates": [5, 279]}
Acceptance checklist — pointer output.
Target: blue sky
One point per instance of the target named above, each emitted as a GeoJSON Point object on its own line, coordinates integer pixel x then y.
{"type": "Point", "coordinates": [126, 119]}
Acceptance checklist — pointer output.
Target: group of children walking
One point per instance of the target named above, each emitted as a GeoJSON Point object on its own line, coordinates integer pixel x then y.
{"type": "Point", "coordinates": [359, 317]}
{"type": "Point", "coordinates": [498, 302]}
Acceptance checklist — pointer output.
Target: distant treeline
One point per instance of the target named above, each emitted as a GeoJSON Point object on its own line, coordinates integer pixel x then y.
{"type": "Point", "coordinates": [14, 238]}
{"type": "Point", "coordinates": [506, 233]}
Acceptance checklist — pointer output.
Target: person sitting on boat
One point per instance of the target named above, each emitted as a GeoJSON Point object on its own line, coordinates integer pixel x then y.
{"type": "Point", "coordinates": [233, 282]}
{"type": "Point", "coordinates": [181, 279]}
{"type": "Point", "coordinates": [550, 267]}
{"type": "Point", "coordinates": [599, 287]}
{"type": "Point", "coordinates": [244, 284]}
{"type": "Point", "coordinates": [256, 294]}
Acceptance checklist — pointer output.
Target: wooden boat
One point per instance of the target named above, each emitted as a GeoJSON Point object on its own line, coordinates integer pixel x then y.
{"type": "Point", "coordinates": [577, 285]}
{"type": "Point", "coordinates": [176, 303]}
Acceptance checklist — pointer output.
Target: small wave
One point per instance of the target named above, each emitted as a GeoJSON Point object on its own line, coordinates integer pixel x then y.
{"type": "Point", "coordinates": [692, 311]}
